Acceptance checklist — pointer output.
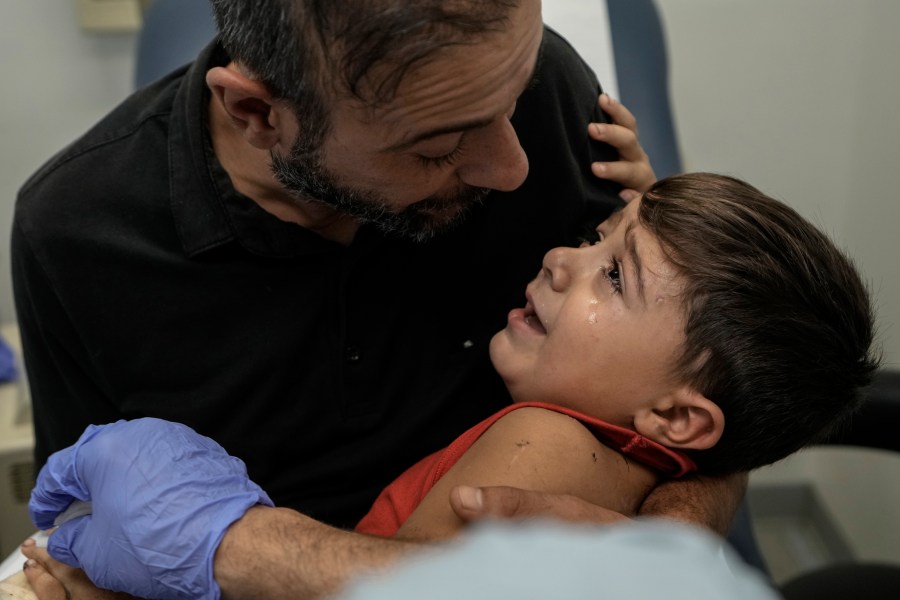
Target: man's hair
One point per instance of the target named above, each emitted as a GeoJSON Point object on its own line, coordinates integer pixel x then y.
{"type": "Point", "coordinates": [306, 51]}
{"type": "Point", "coordinates": [779, 325]}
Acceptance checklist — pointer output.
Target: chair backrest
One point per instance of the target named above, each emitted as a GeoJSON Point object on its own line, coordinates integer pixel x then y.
{"type": "Point", "coordinates": [172, 34]}
{"type": "Point", "coordinates": [642, 70]}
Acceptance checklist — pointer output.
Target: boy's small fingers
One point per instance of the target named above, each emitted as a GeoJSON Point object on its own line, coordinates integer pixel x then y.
{"type": "Point", "coordinates": [629, 194]}
{"type": "Point", "coordinates": [44, 584]}
{"type": "Point", "coordinates": [621, 138]}
{"type": "Point", "coordinates": [618, 111]}
{"type": "Point", "coordinates": [619, 171]}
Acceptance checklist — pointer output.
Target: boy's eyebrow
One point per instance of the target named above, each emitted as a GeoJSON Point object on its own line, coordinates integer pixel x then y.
{"type": "Point", "coordinates": [615, 216]}
{"type": "Point", "coordinates": [631, 248]}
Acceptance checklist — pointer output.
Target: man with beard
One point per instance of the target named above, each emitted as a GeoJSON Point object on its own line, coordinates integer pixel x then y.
{"type": "Point", "coordinates": [250, 247]}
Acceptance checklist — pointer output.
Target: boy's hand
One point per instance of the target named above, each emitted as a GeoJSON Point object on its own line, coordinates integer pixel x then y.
{"type": "Point", "coordinates": [633, 169]}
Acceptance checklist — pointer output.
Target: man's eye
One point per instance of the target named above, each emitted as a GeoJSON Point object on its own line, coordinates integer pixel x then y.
{"type": "Point", "coordinates": [445, 160]}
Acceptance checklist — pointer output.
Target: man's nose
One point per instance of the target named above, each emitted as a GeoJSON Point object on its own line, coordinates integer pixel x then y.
{"type": "Point", "coordinates": [495, 159]}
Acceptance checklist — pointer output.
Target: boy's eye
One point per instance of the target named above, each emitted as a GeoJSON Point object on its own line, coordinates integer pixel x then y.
{"type": "Point", "coordinates": [614, 277]}
{"type": "Point", "coordinates": [590, 236]}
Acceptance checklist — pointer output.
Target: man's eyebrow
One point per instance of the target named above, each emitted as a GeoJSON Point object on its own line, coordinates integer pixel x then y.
{"type": "Point", "coordinates": [464, 126]}
{"type": "Point", "coordinates": [631, 248]}
{"type": "Point", "coordinates": [439, 131]}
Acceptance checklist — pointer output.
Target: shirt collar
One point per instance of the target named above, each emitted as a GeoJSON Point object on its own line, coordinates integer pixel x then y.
{"type": "Point", "coordinates": [208, 211]}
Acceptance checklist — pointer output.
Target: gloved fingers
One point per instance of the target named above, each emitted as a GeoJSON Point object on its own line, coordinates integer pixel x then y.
{"type": "Point", "coordinates": [64, 544]}
{"type": "Point", "coordinates": [57, 486]}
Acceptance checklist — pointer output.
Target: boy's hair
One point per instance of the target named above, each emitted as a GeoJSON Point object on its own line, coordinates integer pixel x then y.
{"type": "Point", "coordinates": [779, 325]}
{"type": "Point", "coordinates": [305, 51]}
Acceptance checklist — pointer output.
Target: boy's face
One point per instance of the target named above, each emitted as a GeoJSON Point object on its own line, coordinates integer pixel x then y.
{"type": "Point", "coordinates": [601, 328]}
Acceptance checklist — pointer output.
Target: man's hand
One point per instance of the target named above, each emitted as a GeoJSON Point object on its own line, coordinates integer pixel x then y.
{"type": "Point", "coordinates": [472, 504]}
{"type": "Point", "coordinates": [633, 169]}
{"type": "Point", "coordinates": [163, 497]}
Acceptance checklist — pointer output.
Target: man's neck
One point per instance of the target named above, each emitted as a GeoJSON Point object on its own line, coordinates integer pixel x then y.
{"type": "Point", "coordinates": [251, 174]}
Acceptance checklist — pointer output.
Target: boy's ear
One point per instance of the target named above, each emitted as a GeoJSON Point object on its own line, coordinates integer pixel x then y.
{"type": "Point", "coordinates": [249, 105]}
{"type": "Point", "coordinates": [686, 420]}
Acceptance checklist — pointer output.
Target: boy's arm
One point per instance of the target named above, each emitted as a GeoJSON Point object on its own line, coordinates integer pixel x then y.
{"type": "Point", "coordinates": [537, 449]}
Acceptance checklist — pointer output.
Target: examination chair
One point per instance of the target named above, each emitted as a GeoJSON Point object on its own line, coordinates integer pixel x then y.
{"type": "Point", "coordinates": [172, 34]}
{"type": "Point", "coordinates": [875, 427]}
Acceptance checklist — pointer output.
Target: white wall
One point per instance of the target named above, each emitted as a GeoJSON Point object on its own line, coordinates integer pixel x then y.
{"type": "Point", "coordinates": [57, 81]}
{"type": "Point", "coordinates": [801, 98]}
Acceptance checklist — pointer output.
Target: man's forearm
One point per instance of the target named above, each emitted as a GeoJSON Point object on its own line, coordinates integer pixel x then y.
{"type": "Point", "coordinates": [274, 553]}
{"type": "Point", "coordinates": [708, 501]}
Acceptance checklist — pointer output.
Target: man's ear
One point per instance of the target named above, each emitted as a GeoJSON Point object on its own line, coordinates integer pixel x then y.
{"type": "Point", "coordinates": [248, 104]}
{"type": "Point", "coordinates": [686, 420]}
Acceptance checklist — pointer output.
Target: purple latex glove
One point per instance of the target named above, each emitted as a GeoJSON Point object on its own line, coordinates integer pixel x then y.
{"type": "Point", "coordinates": [162, 495]}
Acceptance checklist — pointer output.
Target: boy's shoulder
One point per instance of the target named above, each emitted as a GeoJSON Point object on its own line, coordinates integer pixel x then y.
{"type": "Point", "coordinates": [555, 452]}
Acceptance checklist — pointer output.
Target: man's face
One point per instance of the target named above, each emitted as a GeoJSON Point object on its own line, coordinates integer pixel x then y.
{"type": "Point", "coordinates": [602, 326]}
{"type": "Point", "coordinates": [416, 164]}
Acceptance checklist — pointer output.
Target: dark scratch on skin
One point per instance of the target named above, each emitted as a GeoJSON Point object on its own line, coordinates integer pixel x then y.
{"type": "Point", "coordinates": [523, 443]}
{"type": "Point", "coordinates": [594, 456]}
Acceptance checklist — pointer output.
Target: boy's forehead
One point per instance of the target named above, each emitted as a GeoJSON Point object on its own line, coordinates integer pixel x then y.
{"type": "Point", "coordinates": [627, 212]}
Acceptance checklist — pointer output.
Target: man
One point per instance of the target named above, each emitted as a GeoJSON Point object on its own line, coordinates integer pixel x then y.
{"type": "Point", "coordinates": [251, 247]}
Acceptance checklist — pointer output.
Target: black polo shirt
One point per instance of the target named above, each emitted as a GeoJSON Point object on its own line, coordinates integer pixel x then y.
{"type": "Point", "coordinates": [147, 286]}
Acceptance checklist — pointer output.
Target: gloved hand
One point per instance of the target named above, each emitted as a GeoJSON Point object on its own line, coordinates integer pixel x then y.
{"type": "Point", "coordinates": [162, 496]}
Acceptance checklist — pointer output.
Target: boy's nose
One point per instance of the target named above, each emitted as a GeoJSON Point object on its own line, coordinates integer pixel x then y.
{"type": "Point", "coordinates": [558, 266]}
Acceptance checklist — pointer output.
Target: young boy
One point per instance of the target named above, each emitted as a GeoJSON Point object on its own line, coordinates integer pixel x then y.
{"type": "Point", "coordinates": [708, 326]}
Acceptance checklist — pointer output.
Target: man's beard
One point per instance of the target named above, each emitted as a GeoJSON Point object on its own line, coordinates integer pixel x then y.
{"type": "Point", "coordinates": [306, 178]}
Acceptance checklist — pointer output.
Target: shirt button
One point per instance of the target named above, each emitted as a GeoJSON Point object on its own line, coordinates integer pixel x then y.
{"type": "Point", "coordinates": [352, 354]}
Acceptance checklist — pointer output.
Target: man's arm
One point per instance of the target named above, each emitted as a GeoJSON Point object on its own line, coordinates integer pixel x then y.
{"type": "Point", "coordinates": [174, 516]}
{"type": "Point", "coordinates": [268, 553]}
{"type": "Point", "coordinates": [276, 553]}
{"type": "Point", "coordinates": [704, 500]}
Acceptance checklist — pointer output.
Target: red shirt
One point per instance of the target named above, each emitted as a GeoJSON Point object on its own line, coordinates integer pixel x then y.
{"type": "Point", "coordinates": [399, 499]}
